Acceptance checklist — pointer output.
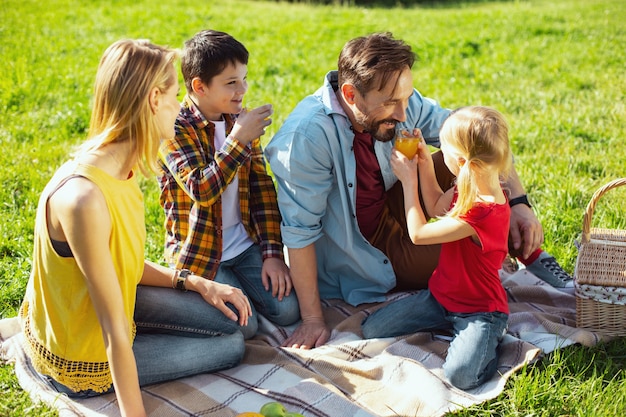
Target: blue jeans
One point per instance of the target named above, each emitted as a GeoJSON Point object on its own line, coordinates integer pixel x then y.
{"type": "Point", "coordinates": [244, 272]}
{"type": "Point", "coordinates": [472, 357]}
{"type": "Point", "coordinates": [178, 335]}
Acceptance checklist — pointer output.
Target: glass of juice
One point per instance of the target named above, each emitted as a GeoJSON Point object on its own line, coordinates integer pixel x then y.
{"type": "Point", "coordinates": [407, 144]}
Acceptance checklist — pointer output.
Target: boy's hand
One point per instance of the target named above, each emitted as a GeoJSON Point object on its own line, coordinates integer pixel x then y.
{"type": "Point", "coordinates": [277, 272]}
{"type": "Point", "coordinates": [251, 123]}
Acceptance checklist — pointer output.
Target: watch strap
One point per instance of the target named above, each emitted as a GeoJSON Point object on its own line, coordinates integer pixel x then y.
{"type": "Point", "coordinates": [181, 279]}
{"type": "Point", "coordinates": [522, 199]}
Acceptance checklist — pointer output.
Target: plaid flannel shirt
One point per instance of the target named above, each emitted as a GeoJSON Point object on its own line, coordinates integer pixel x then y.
{"type": "Point", "coordinates": [192, 179]}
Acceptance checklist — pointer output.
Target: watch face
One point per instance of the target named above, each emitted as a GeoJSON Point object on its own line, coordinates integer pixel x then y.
{"type": "Point", "coordinates": [182, 278]}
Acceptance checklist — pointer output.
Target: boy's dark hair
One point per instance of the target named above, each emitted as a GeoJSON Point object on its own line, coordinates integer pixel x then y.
{"type": "Point", "coordinates": [208, 53]}
{"type": "Point", "coordinates": [372, 59]}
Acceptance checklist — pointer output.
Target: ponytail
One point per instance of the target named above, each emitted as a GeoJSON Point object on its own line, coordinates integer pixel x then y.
{"type": "Point", "coordinates": [479, 136]}
{"type": "Point", "coordinates": [467, 191]}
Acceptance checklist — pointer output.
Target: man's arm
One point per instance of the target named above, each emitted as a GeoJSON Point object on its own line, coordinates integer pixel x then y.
{"type": "Point", "coordinates": [312, 332]}
{"type": "Point", "coordinates": [526, 233]}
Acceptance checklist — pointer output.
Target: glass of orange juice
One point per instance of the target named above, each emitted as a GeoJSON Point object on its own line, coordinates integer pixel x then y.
{"type": "Point", "coordinates": [407, 144]}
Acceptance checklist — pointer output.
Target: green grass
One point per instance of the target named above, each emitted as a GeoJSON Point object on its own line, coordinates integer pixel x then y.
{"type": "Point", "coordinates": [556, 69]}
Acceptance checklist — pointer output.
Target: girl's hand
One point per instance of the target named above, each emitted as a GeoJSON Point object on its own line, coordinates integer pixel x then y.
{"type": "Point", "coordinates": [217, 295]}
{"type": "Point", "coordinates": [423, 153]}
{"type": "Point", "coordinates": [251, 123]}
{"type": "Point", "coordinates": [404, 168]}
{"type": "Point", "coordinates": [276, 272]}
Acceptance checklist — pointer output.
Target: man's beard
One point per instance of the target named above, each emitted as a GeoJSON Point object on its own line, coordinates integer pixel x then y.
{"type": "Point", "coordinates": [384, 135]}
{"type": "Point", "coordinates": [374, 128]}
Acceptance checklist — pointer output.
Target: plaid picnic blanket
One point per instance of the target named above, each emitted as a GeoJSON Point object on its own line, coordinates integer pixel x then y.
{"type": "Point", "coordinates": [349, 376]}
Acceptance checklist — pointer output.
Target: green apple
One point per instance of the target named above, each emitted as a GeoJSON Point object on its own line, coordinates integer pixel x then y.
{"type": "Point", "coordinates": [274, 409]}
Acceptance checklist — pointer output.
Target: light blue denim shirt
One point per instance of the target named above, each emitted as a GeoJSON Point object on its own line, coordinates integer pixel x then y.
{"type": "Point", "coordinates": [312, 160]}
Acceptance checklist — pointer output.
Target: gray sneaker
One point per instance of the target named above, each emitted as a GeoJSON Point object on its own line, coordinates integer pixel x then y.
{"type": "Point", "coordinates": [546, 268]}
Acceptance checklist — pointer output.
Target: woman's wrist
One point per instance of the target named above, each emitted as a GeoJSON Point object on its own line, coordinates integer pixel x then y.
{"type": "Point", "coordinates": [193, 283]}
{"type": "Point", "coordinates": [180, 278]}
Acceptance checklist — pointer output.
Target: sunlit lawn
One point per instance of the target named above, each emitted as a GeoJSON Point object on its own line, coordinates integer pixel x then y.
{"type": "Point", "coordinates": [556, 69]}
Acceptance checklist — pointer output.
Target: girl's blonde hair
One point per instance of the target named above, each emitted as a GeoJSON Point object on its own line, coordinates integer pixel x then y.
{"type": "Point", "coordinates": [480, 136]}
{"type": "Point", "coordinates": [128, 71]}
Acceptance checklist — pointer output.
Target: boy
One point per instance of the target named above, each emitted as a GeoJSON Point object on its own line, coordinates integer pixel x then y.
{"type": "Point", "coordinates": [221, 215]}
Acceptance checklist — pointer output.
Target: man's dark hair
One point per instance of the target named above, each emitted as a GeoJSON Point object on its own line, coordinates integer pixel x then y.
{"type": "Point", "coordinates": [372, 59]}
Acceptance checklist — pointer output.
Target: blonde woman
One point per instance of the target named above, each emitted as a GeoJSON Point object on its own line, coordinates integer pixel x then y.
{"type": "Point", "coordinates": [97, 316]}
{"type": "Point", "coordinates": [464, 293]}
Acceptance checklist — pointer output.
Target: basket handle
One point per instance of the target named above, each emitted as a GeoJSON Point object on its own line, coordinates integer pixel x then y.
{"type": "Point", "coordinates": [586, 236]}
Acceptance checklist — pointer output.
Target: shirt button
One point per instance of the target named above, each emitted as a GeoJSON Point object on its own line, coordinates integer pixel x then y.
{"type": "Point", "coordinates": [386, 261]}
{"type": "Point", "coordinates": [350, 184]}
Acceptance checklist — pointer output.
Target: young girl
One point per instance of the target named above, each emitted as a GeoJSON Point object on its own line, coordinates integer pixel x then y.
{"type": "Point", "coordinates": [465, 294]}
{"type": "Point", "coordinates": [88, 326]}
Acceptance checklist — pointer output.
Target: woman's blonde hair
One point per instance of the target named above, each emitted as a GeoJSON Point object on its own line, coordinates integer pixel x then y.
{"type": "Point", "coordinates": [480, 136]}
{"type": "Point", "coordinates": [128, 71]}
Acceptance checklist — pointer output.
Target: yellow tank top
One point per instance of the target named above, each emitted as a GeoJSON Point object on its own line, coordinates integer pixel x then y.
{"type": "Point", "coordinates": [63, 335]}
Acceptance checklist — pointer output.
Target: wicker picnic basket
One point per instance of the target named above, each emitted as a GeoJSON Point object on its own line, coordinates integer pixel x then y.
{"type": "Point", "coordinates": [600, 274]}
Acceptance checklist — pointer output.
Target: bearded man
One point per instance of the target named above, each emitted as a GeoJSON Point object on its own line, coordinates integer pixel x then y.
{"type": "Point", "coordinates": [342, 207]}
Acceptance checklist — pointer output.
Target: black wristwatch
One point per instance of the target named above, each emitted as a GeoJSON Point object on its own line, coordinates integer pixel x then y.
{"type": "Point", "coordinates": [522, 199]}
{"type": "Point", "coordinates": [181, 279]}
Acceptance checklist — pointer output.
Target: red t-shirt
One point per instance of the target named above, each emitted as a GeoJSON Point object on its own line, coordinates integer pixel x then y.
{"type": "Point", "coordinates": [370, 188]}
{"type": "Point", "coordinates": [466, 279]}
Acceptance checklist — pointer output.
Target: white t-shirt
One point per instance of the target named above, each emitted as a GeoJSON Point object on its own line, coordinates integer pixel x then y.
{"type": "Point", "coordinates": [235, 239]}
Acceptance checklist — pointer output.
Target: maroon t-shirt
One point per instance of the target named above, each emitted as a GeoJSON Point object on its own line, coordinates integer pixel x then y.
{"type": "Point", "coordinates": [370, 188]}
